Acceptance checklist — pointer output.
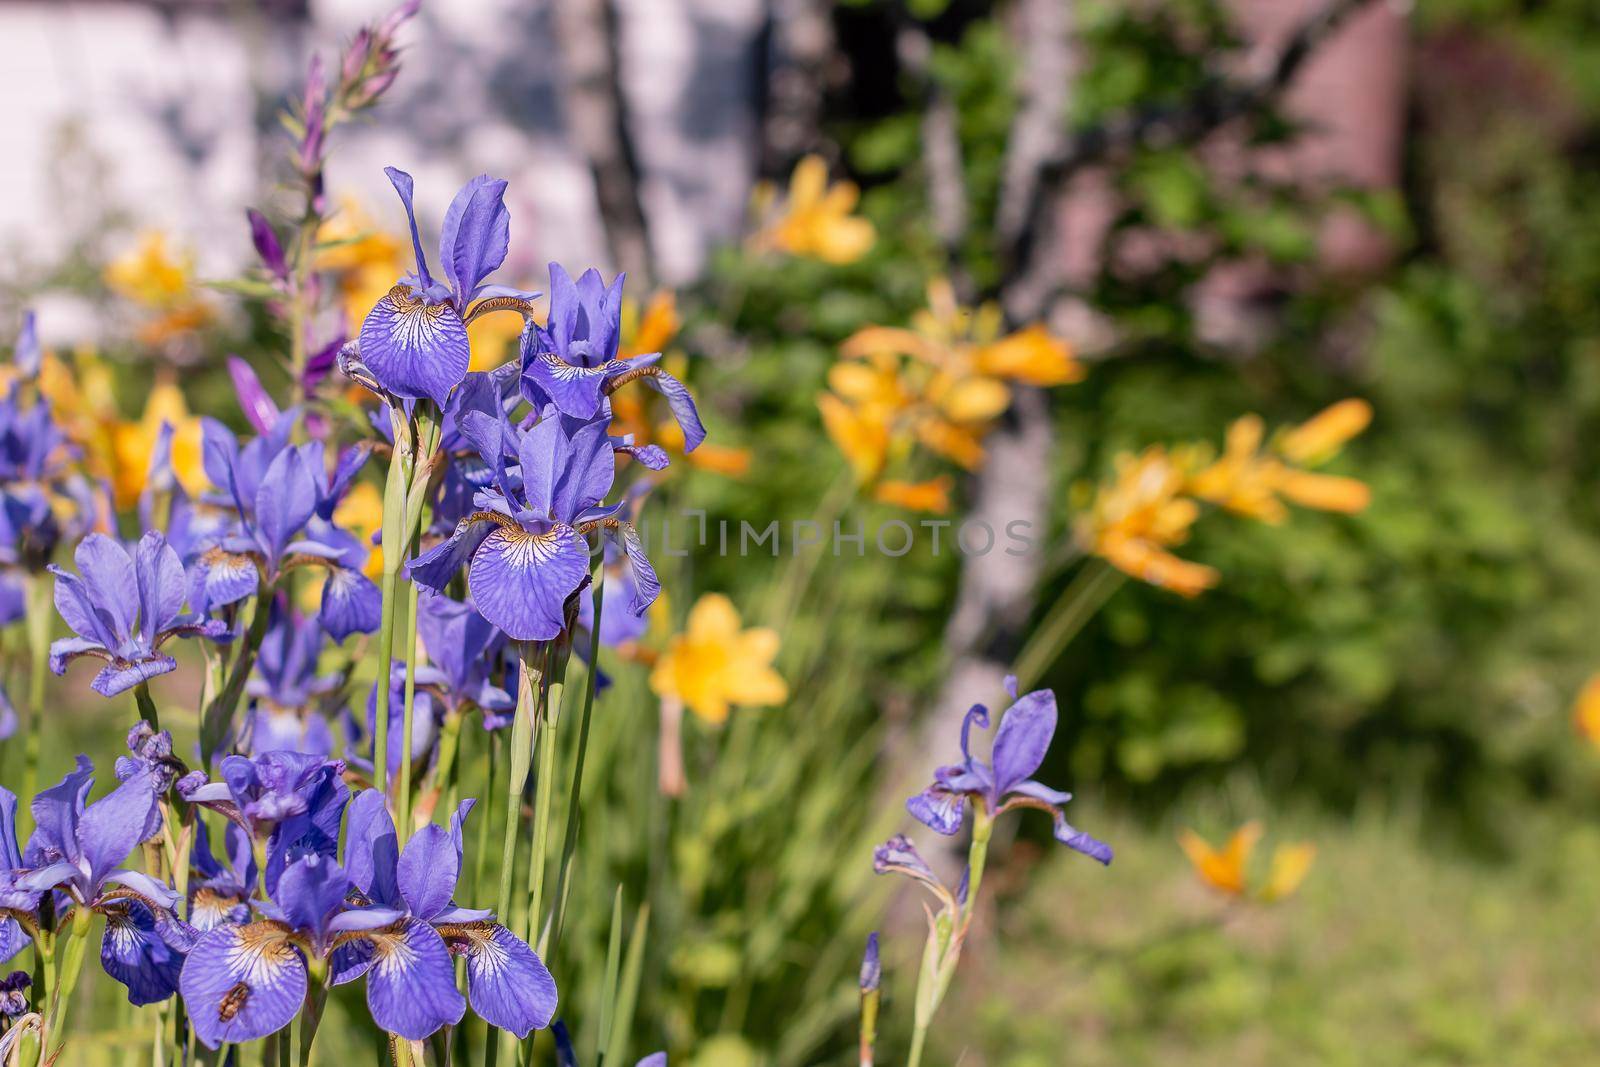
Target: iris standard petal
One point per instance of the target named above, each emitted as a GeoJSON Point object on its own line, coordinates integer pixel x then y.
{"type": "Point", "coordinates": [1023, 738]}
{"type": "Point", "coordinates": [161, 584]}
{"type": "Point", "coordinates": [108, 577]}
{"type": "Point", "coordinates": [507, 983]}
{"type": "Point", "coordinates": [78, 608]}
{"type": "Point", "coordinates": [407, 189]}
{"type": "Point", "coordinates": [520, 580]}
{"type": "Point", "coordinates": [429, 868]}
{"type": "Point", "coordinates": [240, 983]}
{"type": "Point", "coordinates": [111, 826]}
{"type": "Point", "coordinates": [415, 349]}
{"type": "Point", "coordinates": [372, 851]}
{"type": "Point", "coordinates": [286, 499]}
{"type": "Point", "coordinates": [411, 988]}
{"type": "Point", "coordinates": [475, 235]}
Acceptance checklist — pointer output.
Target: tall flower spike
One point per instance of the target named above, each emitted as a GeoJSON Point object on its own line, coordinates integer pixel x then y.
{"type": "Point", "coordinates": [412, 908]}
{"type": "Point", "coordinates": [123, 609]}
{"type": "Point", "coordinates": [1005, 783]}
{"type": "Point", "coordinates": [414, 341]}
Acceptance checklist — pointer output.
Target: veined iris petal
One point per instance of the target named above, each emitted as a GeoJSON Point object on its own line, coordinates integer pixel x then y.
{"type": "Point", "coordinates": [520, 580]}
{"type": "Point", "coordinates": [414, 348]}
{"type": "Point", "coordinates": [242, 982]}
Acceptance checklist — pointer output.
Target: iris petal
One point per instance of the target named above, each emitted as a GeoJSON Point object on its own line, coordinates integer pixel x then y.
{"type": "Point", "coordinates": [413, 348]}
{"type": "Point", "coordinates": [134, 952]}
{"type": "Point", "coordinates": [242, 982]}
{"type": "Point", "coordinates": [411, 984]}
{"type": "Point", "coordinates": [507, 983]}
{"type": "Point", "coordinates": [520, 580]}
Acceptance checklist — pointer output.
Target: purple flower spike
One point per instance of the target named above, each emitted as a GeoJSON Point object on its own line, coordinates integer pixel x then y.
{"type": "Point", "coordinates": [414, 341]}
{"type": "Point", "coordinates": [123, 609]}
{"type": "Point", "coordinates": [871, 965]}
{"type": "Point", "coordinates": [1005, 783]}
{"type": "Point", "coordinates": [412, 908]}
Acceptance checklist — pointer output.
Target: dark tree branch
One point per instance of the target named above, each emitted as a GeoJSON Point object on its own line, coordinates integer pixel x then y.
{"type": "Point", "coordinates": [598, 117]}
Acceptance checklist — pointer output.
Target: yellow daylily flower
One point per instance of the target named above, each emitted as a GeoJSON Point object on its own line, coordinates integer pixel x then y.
{"type": "Point", "coordinates": [1249, 481]}
{"type": "Point", "coordinates": [1226, 870]}
{"type": "Point", "coordinates": [1320, 438]}
{"type": "Point", "coordinates": [715, 664]}
{"type": "Point", "coordinates": [1586, 711]}
{"type": "Point", "coordinates": [1139, 514]}
{"type": "Point", "coordinates": [133, 441]}
{"type": "Point", "coordinates": [816, 221]}
{"type": "Point", "coordinates": [1222, 869]}
{"type": "Point", "coordinates": [1290, 865]}
{"type": "Point", "coordinates": [941, 382]}
{"type": "Point", "coordinates": [161, 280]}
{"type": "Point", "coordinates": [932, 495]}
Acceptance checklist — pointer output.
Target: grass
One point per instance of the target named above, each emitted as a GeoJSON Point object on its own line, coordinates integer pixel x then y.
{"type": "Point", "coordinates": [1391, 954]}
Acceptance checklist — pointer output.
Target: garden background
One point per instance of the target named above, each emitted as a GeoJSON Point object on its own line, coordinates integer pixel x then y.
{"type": "Point", "coordinates": [1222, 208]}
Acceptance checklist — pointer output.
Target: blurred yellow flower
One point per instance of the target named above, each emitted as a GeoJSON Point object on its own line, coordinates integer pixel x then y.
{"type": "Point", "coordinates": [1586, 711]}
{"type": "Point", "coordinates": [83, 398]}
{"type": "Point", "coordinates": [1319, 438]}
{"type": "Point", "coordinates": [1227, 869]}
{"type": "Point", "coordinates": [160, 280]}
{"type": "Point", "coordinates": [715, 664]}
{"type": "Point", "coordinates": [816, 221]}
{"type": "Point", "coordinates": [1249, 481]}
{"type": "Point", "coordinates": [939, 383]}
{"type": "Point", "coordinates": [1142, 512]}
{"type": "Point", "coordinates": [932, 495]}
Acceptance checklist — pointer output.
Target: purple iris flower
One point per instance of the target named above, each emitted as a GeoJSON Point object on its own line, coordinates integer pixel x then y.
{"type": "Point", "coordinates": [13, 898]}
{"type": "Point", "coordinates": [525, 548]}
{"type": "Point", "coordinates": [427, 713]}
{"type": "Point", "coordinates": [465, 648]}
{"type": "Point", "coordinates": [572, 361]}
{"type": "Point", "coordinates": [219, 890]}
{"type": "Point", "coordinates": [414, 341]}
{"type": "Point", "coordinates": [123, 609]}
{"type": "Point", "coordinates": [13, 995]}
{"type": "Point", "coordinates": [285, 687]}
{"type": "Point", "coordinates": [1020, 745]}
{"type": "Point", "coordinates": [283, 499]}
{"type": "Point", "coordinates": [291, 801]}
{"type": "Point", "coordinates": [76, 850]}
{"type": "Point", "coordinates": [243, 982]}
{"type": "Point", "coordinates": [413, 924]}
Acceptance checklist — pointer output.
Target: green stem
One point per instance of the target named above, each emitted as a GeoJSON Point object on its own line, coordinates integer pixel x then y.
{"type": "Point", "coordinates": [1091, 587]}
{"type": "Point", "coordinates": [41, 589]}
{"type": "Point", "coordinates": [569, 841]}
{"type": "Point", "coordinates": [147, 706]}
{"type": "Point", "coordinates": [380, 725]}
{"type": "Point", "coordinates": [403, 801]}
{"type": "Point", "coordinates": [545, 787]}
{"type": "Point", "coordinates": [517, 776]}
{"type": "Point", "coordinates": [66, 982]}
{"type": "Point", "coordinates": [918, 1037]}
{"type": "Point", "coordinates": [218, 718]}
